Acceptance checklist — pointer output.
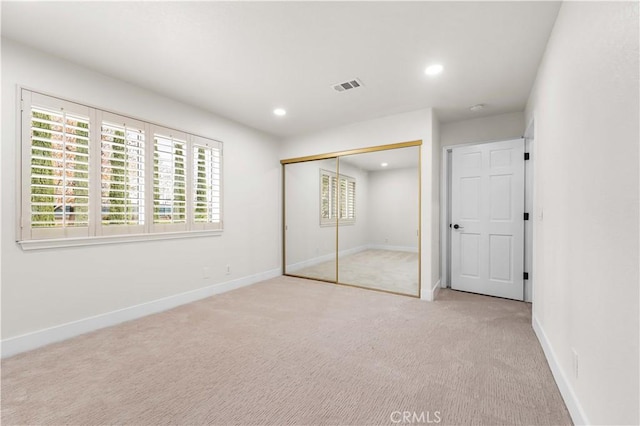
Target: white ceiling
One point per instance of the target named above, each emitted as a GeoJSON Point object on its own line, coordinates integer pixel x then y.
{"type": "Point", "coordinates": [243, 59]}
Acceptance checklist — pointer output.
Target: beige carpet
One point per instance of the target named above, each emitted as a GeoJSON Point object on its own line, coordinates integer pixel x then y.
{"type": "Point", "coordinates": [294, 351]}
{"type": "Point", "coordinates": [395, 271]}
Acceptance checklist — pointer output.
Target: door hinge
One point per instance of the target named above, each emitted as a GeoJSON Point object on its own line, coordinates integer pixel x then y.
{"type": "Point", "coordinates": [526, 156]}
{"type": "Point", "coordinates": [525, 275]}
{"type": "Point", "coordinates": [526, 216]}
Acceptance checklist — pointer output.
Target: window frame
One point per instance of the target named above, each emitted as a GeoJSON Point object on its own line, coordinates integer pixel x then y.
{"type": "Point", "coordinates": [335, 199]}
{"type": "Point", "coordinates": [96, 232]}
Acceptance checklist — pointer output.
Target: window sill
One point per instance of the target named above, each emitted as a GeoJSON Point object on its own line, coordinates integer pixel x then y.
{"type": "Point", "coordinates": [333, 224]}
{"type": "Point", "coordinates": [28, 245]}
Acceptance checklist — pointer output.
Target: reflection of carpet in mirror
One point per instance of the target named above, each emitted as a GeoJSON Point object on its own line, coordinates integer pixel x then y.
{"type": "Point", "coordinates": [395, 271]}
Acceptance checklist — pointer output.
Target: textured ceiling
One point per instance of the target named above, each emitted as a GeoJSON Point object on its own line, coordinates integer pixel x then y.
{"type": "Point", "coordinates": [243, 59]}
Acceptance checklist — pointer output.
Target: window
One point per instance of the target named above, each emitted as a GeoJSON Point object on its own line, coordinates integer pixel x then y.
{"type": "Point", "coordinates": [207, 184]}
{"type": "Point", "coordinates": [169, 180]}
{"type": "Point", "coordinates": [57, 179]}
{"type": "Point", "coordinates": [122, 160]}
{"type": "Point", "coordinates": [337, 200]}
{"type": "Point", "coordinates": [91, 173]}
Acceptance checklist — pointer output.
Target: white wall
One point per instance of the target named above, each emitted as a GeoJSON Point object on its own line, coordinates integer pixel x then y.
{"type": "Point", "coordinates": [435, 158]}
{"type": "Point", "coordinates": [586, 107]}
{"type": "Point", "coordinates": [393, 209]}
{"type": "Point", "coordinates": [492, 128]}
{"type": "Point", "coordinates": [50, 287]}
{"type": "Point", "coordinates": [415, 125]}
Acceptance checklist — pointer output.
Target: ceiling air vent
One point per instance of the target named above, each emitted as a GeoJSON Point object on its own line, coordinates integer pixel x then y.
{"type": "Point", "coordinates": [347, 85]}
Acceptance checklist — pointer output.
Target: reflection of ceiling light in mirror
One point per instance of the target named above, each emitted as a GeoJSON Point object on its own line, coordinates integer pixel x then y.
{"type": "Point", "coordinates": [384, 164]}
{"type": "Point", "coordinates": [279, 111]}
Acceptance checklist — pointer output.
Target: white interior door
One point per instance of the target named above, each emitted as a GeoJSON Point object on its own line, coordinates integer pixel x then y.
{"type": "Point", "coordinates": [487, 213]}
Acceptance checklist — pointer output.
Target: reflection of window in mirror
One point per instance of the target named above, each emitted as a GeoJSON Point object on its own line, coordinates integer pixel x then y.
{"type": "Point", "coordinates": [330, 206]}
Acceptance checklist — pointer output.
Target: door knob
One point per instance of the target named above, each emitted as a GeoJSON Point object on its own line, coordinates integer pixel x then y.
{"type": "Point", "coordinates": [456, 226]}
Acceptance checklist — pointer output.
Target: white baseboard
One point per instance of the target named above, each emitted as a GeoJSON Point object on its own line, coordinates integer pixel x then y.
{"type": "Point", "coordinates": [393, 248]}
{"type": "Point", "coordinates": [576, 411]}
{"type": "Point", "coordinates": [353, 250]}
{"type": "Point", "coordinates": [36, 339]}
{"type": "Point", "coordinates": [331, 256]}
{"type": "Point", "coordinates": [435, 290]}
{"type": "Point", "coordinates": [310, 262]}
{"type": "Point", "coordinates": [429, 294]}
{"type": "Point", "coordinates": [325, 258]}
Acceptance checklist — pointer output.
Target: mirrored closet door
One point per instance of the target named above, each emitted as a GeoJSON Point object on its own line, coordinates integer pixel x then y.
{"type": "Point", "coordinates": [310, 221]}
{"type": "Point", "coordinates": [353, 218]}
{"type": "Point", "coordinates": [379, 250]}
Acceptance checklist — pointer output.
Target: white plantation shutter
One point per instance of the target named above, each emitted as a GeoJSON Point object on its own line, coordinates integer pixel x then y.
{"type": "Point", "coordinates": [169, 180]}
{"type": "Point", "coordinates": [325, 197]}
{"type": "Point", "coordinates": [333, 192]}
{"type": "Point", "coordinates": [328, 205]}
{"type": "Point", "coordinates": [207, 180]}
{"type": "Point", "coordinates": [91, 173]}
{"type": "Point", "coordinates": [57, 174]}
{"type": "Point", "coordinates": [122, 207]}
{"type": "Point", "coordinates": [337, 201]}
{"type": "Point", "coordinates": [351, 200]}
{"type": "Point", "coordinates": [343, 198]}
{"type": "Point", "coordinates": [347, 199]}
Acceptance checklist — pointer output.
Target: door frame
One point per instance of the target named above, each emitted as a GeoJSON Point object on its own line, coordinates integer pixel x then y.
{"type": "Point", "coordinates": [445, 209]}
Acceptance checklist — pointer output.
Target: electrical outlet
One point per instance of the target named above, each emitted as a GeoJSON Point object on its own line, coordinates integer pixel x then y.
{"type": "Point", "coordinates": [206, 273]}
{"type": "Point", "coordinates": [575, 363]}
{"type": "Point", "coordinates": [228, 270]}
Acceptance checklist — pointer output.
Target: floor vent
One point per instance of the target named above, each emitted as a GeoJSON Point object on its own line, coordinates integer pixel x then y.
{"type": "Point", "coordinates": [347, 85]}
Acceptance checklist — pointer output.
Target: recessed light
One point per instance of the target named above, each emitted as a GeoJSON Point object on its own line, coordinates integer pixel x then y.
{"type": "Point", "coordinates": [434, 69]}
{"type": "Point", "coordinates": [280, 111]}
{"type": "Point", "coordinates": [384, 164]}
{"type": "Point", "coordinates": [476, 107]}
